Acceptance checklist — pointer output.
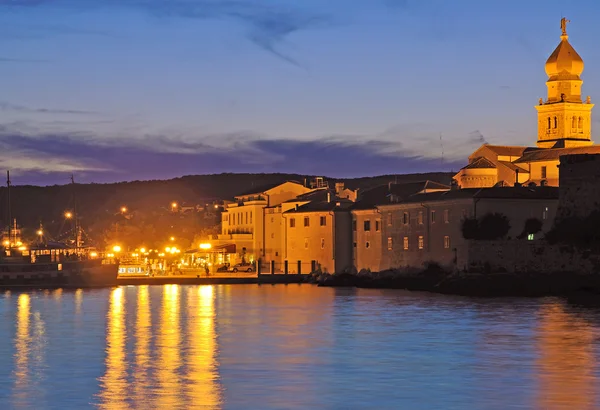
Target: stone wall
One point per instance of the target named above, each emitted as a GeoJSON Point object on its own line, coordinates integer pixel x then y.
{"type": "Point", "coordinates": [520, 256]}
{"type": "Point", "coordinates": [579, 187]}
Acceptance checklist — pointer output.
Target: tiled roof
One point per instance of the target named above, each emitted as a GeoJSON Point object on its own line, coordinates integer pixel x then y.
{"type": "Point", "coordinates": [480, 162]}
{"type": "Point", "coordinates": [509, 150]}
{"type": "Point", "coordinates": [381, 194]}
{"type": "Point", "coordinates": [315, 195]}
{"type": "Point", "coordinates": [513, 167]}
{"type": "Point", "coordinates": [486, 193]}
{"type": "Point", "coordinates": [553, 154]}
{"type": "Point", "coordinates": [322, 206]}
{"type": "Point", "coordinates": [264, 188]}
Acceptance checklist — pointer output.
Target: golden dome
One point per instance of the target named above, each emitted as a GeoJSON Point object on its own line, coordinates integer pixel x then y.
{"type": "Point", "coordinates": [564, 62]}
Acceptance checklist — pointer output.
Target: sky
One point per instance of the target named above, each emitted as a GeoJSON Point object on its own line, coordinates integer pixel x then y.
{"type": "Point", "coordinates": [114, 90]}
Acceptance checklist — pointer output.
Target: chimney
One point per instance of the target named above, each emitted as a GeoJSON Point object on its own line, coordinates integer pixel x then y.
{"type": "Point", "coordinates": [339, 187]}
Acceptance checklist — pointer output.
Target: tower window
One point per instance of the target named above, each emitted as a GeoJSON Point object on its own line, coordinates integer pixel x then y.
{"type": "Point", "coordinates": [580, 122]}
{"type": "Point", "coordinates": [574, 123]}
{"type": "Point", "coordinates": [555, 122]}
{"type": "Point", "coordinates": [549, 123]}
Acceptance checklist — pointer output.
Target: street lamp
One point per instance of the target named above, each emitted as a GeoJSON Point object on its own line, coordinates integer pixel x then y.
{"type": "Point", "coordinates": [40, 232]}
{"type": "Point", "coordinates": [172, 238]}
{"type": "Point", "coordinates": [116, 249]}
{"type": "Point", "coordinates": [123, 209]}
{"type": "Point", "coordinates": [68, 215]}
{"type": "Point", "coordinates": [174, 206]}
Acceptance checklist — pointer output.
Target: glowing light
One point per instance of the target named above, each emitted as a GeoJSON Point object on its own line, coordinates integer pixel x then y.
{"type": "Point", "coordinates": [161, 254]}
{"type": "Point", "coordinates": [143, 250]}
{"type": "Point", "coordinates": [205, 246]}
{"type": "Point", "coordinates": [22, 248]}
{"type": "Point", "coordinates": [6, 243]}
{"type": "Point", "coordinates": [123, 209]}
{"type": "Point", "coordinates": [40, 232]}
{"type": "Point", "coordinates": [174, 205]}
{"type": "Point", "coordinates": [94, 254]}
{"type": "Point", "coordinates": [19, 243]}
{"type": "Point", "coordinates": [168, 249]}
{"type": "Point", "coordinates": [68, 215]}
{"type": "Point", "coordinates": [216, 206]}
{"type": "Point", "coordinates": [116, 249]}
{"type": "Point", "coordinates": [172, 238]}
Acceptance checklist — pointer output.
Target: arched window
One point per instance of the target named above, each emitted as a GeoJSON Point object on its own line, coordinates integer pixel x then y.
{"type": "Point", "coordinates": [580, 122]}
{"type": "Point", "coordinates": [549, 124]}
{"type": "Point", "coordinates": [574, 124]}
{"type": "Point", "coordinates": [555, 122]}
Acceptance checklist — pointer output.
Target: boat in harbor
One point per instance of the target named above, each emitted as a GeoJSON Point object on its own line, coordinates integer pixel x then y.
{"type": "Point", "coordinates": [52, 264]}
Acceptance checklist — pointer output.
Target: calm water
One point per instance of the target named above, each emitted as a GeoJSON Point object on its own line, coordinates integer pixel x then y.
{"type": "Point", "coordinates": [293, 347]}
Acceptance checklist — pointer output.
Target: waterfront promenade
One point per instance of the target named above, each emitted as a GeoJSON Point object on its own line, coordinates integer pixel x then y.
{"type": "Point", "coordinates": [213, 279]}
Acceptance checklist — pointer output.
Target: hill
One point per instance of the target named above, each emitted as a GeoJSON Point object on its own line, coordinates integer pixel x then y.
{"type": "Point", "coordinates": [99, 204]}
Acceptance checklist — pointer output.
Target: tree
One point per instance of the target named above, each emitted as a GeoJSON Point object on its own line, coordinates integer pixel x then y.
{"type": "Point", "coordinates": [470, 228]}
{"type": "Point", "coordinates": [532, 226]}
{"type": "Point", "coordinates": [490, 227]}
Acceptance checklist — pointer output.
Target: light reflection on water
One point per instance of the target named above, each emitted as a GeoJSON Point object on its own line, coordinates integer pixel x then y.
{"type": "Point", "coordinates": [293, 347]}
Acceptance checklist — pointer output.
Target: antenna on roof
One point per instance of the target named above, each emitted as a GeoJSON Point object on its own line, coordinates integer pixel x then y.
{"type": "Point", "coordinates": [442, 146]}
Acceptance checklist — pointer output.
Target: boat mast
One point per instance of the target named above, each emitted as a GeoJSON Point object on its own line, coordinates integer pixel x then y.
{"type": "Point", "coordinates": [75, 216]}
{"type": "Point", "coordinates": [8, 207]}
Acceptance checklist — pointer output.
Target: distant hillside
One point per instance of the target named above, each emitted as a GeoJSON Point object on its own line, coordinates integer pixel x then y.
{"type": "Point", "coordinates": [100, 202]}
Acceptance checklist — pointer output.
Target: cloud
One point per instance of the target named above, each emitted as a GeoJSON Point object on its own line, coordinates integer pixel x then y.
{"type": "Point", "coordinates": [6, 106]}
{"type": "Point", "coordinates": [49, 159]}
{"type": "Point", "coordinates": [268, 24]}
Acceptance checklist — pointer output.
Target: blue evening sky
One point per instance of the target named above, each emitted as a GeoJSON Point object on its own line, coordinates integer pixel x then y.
{"type": "Point", "coordinates": [139, 89]}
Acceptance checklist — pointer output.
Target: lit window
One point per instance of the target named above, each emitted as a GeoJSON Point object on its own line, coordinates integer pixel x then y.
{"type": "Point", "coordinates": [306, 221]}
{"type": "Point", "coordinates": [367, 225]}
{"type": "Point", "coordinates": [446, 216]}
{"type": "Point", "coordinates": [446, 242]}
{"type": "Point", "coordinates": [323, 221]}
{"type": "Point", "coordinates": [420, 218]}
{"type": "Point", "coordinates": [530, 237]}
{"type": "Point", "coordinates": [421, 242]}
{"type": "Point", "coordinates": [432, 217]}
{"type": "Point", "coordinates": [292, 222]}
{"type": "Point", "coordinates": [406, 243]}
{"type": "Point", "coordinates": [390, 243]}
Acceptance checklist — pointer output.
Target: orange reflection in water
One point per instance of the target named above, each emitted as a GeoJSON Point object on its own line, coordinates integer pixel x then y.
{"type": "Point", "coordinates": [168, 347]}
{"type": "Point", "coordinates": [202, 388]}
{"type": "Point", "coordinates": [114, 382]}
{"type": "Point", "coordinates": [566, 363]}
{"type": "Point", "coordinates": [22, 348]}
{"type": "Point", "coordinates": [142, 348]}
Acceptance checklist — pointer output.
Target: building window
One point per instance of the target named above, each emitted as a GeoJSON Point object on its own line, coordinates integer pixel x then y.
{"type": "Point", "coordinates": [406, 243]}
{"type": "Point", "coordinates": [305, 243]}
{"type": "Point", "coordinates": [420, 218]}
{"type": "Point", "coordinates": [555, 122]}
{"type": "Point", "coordinates": [246, 218]}
{"type": "Point", "coordinates": [544, 172]}
{"type": "Point", "coordinates": [323, 221]}
{"type": "Point", "coordinates": [389, 219]}
{"type": "Point", "coordinates": [545, 213]}
{"type": "Point", "coordinates": [272, 219]}
{"type": "Point", "coordinates": [531, 237]}
{"type": "Point", "coordinates": [446, 242]}
{"type": "Point", "coordinates": [390, 243]}
{"type": "Point", "coordinates": [322, 243]}
{"type": "Point", "coordinates": [574, 122]}
{"type": "Point", "coordinates": [580, 122]}
{"type": "Point", "coordinates": [549, 123]}
{"type": "Point", "coordinates": [367, 225]}
{"type": "Point", "coordinates": [272, 236]}
{"type": "Point", "coordinates": [405, 218]}
{"type": "Point", "coordinates": [377, 226]}
{"type": "Point", "coordinates": [446, 216]}
{"type": "Point", "coordinates": [306, 221]}
{"type": "Point", "coordinates": [432, 217]}
{"type": "Point", "coordinates": [292, 222]}
{"type": "Point", "coordinates": [250, 216]}
{"type": "Point", "coordinates": [421, 242]}
{"type": "Point", "coordinates": [354, 225]}
{"type": "Point", "coordinates": [367, 245]}
{"type": "Point", "coordinates": [354, 244]}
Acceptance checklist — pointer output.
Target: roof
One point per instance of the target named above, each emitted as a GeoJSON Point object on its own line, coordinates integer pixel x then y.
{"type": "Point", "coordinates": [486, 193]}
{"type": "Point", "coordinates": [322, 206]}
{"type": "Point", "coordinates": [480, 162]}
{"type": "Point", "coordinates": [513, 167]}
{"type": "Point", "coordinates": [319, 194]}
{"type": "Point", "coordinates": [553, 154]}
{"type": "Point", "coordinates": [508, 150]}
{"type": "Point", "coordinates": [264, 188]}
{"type": "Point", "coordinates": [382, 194]}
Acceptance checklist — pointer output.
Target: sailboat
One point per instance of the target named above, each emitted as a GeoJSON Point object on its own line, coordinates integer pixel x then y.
{"type": "Point", "coordinates": [51, 265]}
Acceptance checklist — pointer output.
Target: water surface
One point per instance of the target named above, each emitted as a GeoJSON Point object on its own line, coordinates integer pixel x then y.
{"type": "Point", "coordinates": [293, 347]}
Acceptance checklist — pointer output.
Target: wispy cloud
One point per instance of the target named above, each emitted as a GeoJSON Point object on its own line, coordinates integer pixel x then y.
{"type": "Point", "coordinates": [6, 106]}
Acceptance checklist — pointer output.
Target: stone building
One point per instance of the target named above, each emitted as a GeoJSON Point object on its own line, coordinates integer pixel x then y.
{"type": "Point", "coordinates": [564, 124]}
{"type": "Point", "coordinates": [427, 227]}
{"type": "Point", "coordinates": [579, 185]}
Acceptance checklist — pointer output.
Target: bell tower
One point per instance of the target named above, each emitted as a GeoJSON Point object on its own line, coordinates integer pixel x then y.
{"type": "Point", "coordinates": [564, 120]}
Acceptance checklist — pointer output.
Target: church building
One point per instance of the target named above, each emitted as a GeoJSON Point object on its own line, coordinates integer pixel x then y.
{"type": "Point", "coordinates": [564, 127]}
